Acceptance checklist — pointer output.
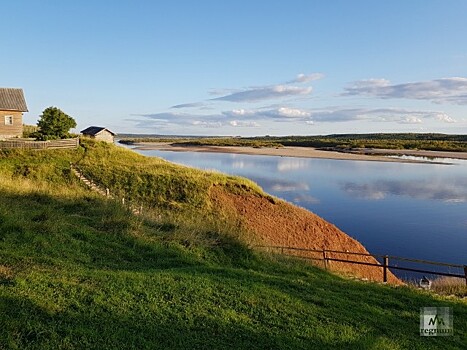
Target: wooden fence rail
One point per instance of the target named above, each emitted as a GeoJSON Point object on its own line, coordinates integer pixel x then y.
{"type": "Point", "coordinates": [37, 145]}
{"type": "Point", "coordinates": [325, 258]}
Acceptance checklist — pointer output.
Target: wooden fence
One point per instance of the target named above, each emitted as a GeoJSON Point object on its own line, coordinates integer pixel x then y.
{"type": "Point", "coordinates": [325, 256]}
{"type": "Point", "coordinates": [37, 145]}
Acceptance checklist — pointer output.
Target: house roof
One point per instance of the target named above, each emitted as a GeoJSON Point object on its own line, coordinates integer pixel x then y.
{"type": "Point", "coordinates": [94, 130]}
{"type": "Point", "coordinates": [12, 100]}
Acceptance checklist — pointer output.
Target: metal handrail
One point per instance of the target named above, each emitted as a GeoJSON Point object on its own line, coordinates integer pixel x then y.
{"type": "Point", "coordinates": [385, 266]}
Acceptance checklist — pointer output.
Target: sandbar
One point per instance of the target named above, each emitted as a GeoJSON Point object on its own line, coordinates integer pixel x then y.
{"type": "Point", "coordinates": [378, 155]}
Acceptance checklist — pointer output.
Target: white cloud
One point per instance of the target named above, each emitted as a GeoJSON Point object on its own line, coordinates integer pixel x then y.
{"type": "Point", "coordinates": [445, 118]}
{"type": "Point", "coordinates": [253, 117]}
{"type": "Point", "coordinates": [410, 120]}
{"type": "Point", "coordinates": [207, 124]}
{"type": "Point", "coordinates": [305, 78]}
{"type": "Point", "coordinates": [265, 93]}
{"type": "Point", "coordinates": [279, 113]}
{"type": "Point", "coordinates": [398, 115]}
{"type": "Point", "coordinates": [168, 119]}
{"type": "Point", "coordinates": [240, 112]}
{"type": "Point", "coordinates": [188, 105]}
{"type": "Point", "coordinates": [243, 123]}
{"type": "Point", "coordinates": [445, 90]}
{"type": "Point", "coordinates": [292, 113]}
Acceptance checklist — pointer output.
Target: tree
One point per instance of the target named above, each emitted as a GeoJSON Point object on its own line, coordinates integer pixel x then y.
{"type": "Point", "coordinates": [54, 124]}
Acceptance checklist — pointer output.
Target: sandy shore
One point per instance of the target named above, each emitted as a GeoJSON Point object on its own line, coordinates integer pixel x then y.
{"type": "Point", "coordinates": [305, 152]}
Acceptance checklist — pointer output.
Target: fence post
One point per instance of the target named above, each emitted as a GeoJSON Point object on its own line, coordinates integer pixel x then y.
{"type": "Point", "coordinates": [385, 268]}
{"type": "Point", "coordinates": [465, 274]}
{"type": "Point", "coordinates": [325, 259]}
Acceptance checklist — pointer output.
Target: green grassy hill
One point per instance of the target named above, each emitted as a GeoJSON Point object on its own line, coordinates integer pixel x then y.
{"type": "Point", "coordinates": [79, 271]}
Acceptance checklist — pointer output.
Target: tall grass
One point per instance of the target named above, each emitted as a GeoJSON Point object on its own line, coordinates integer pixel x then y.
{"type": "Point", "coordinates": [450, 286]}
{"type": "Point", "coordinates": [154, 181]}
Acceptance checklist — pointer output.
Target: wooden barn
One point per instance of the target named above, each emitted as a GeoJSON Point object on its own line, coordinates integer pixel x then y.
{"type": "Point", "coordinates": [99, 133]}
{"type": "Point", "coordinates": [12, 107]}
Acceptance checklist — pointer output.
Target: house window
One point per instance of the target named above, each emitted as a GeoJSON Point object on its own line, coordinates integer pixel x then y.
{"type": "Point", "coordinates": [8, 120]}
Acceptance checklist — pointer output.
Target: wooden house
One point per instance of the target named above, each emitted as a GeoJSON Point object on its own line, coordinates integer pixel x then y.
{"type": "Point", "coordinates": [99, 133]}
{"type": "Point", "coordinates": [12, 107]}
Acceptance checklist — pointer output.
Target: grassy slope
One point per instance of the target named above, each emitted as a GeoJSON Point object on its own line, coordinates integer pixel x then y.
{"type": "Point", "coordinates": [78, 271]}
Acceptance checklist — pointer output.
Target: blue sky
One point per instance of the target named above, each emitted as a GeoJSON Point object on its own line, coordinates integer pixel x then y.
{"type": "Point", "coordinates": [241, 67]}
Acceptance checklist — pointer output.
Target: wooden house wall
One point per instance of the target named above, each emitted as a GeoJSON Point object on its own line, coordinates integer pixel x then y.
{"type": "Point", "coordinates": [15, 130]}
{"type": "Point", "coordinates": [105, 136]}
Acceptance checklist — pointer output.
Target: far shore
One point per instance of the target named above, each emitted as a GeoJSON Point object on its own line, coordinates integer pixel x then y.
{"type": "Point", "coordinates": [378, 155]}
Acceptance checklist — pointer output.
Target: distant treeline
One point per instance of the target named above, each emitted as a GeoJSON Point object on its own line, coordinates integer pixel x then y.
{"type": "Point", "coordinates": [428, 141]}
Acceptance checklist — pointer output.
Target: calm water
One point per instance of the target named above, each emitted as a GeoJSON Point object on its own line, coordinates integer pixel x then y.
{"type": "Point", "coordinates": [412, 210]}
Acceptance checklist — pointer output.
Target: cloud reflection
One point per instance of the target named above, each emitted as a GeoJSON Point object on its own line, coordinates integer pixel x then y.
{"type": "Point", "coordinates": [454, 191]}
{"type": "Point", "coordinates": [285, 164]}
{"type": "Point", "coordinates": [275, 185]}
{"type": "Point", "coordinates": [305, 198]}
{"type": "Point", "coordinates": [283, 186]}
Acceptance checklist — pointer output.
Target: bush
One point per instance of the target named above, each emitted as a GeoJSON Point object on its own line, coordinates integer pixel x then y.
{"type": "Point", "coordinates": [54, 124]}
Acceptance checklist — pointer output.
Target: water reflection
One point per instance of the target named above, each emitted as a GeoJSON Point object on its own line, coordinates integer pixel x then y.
{"type": "Point", "coordinates": [277, 185]}
{"type": "Point", "coordinates": [305, 199]}
{"type": "Point", "coordinates": [291, 164]}
{"type": "Point", "coordinates": [392, 208]}
{"type": "Point", "coordinates": [453, 191]}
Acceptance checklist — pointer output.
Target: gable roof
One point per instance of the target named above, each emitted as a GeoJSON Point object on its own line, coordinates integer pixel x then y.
{"type": "Point", "coordinates": [12, 100]}
{"type": "Point", "coordinates": [94, 130]}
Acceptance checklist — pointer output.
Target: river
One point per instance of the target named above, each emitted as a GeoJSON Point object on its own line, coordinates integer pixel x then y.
{"type": "Point", "coordinates": [404, 209]}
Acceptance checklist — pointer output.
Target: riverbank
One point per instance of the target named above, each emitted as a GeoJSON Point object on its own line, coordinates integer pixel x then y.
{"type": "Point", "coordinates": [378, 155]}
{"type": "Point", "coordinates": [80, 270]}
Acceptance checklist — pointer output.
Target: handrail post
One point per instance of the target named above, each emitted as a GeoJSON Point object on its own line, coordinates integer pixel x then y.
{"type": "Point", "coordinates": [385, 268]}
{"type": "Point", "coordinates": [325, 259]}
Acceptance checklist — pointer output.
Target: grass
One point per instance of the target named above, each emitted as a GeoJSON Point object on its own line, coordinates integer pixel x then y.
{"type": "Point", "coordinates": [78, 271]}
{"type": "Point", "coordinates": [450, 286]}
{"type": "Point", "coordinates": [154, 181]}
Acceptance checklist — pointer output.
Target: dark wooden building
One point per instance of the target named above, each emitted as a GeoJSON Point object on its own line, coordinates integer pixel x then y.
{"type": "Point", "coordinates": [99, 133]}
{"type": "Point", "coordinates": [12, 107]}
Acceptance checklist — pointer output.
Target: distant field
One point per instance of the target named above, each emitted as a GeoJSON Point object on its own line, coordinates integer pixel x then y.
{"type": "Point", "coordinates": [432, 142]}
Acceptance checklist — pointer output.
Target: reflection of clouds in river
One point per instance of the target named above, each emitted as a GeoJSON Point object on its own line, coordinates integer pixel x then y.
{"type": "Point", "coordinates": [240, 161]}
{"type": "Point", "coordinates": [238, 164]}
{"type": "Point", "coordinates": [288, 164]}
{"type": "Point", "coordinates": [305, 198]}
{"type": "Point", "coordinates": [454, 191]}
{"type": "Point", "coordinates": [290, 186]}
{"type": "Point", "coordinates": [281, 185]}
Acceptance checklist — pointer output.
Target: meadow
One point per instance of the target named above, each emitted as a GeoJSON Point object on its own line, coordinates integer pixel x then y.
{"type": "Point", "coordinates": [82, 271]}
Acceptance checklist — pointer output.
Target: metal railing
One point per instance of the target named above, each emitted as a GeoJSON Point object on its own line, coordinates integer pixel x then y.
{"type": "Point", "coordinates": [324, 256]}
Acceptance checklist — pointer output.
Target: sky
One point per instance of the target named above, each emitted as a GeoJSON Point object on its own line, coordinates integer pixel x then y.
{"type": "Point", "coordinates": [243, 67]}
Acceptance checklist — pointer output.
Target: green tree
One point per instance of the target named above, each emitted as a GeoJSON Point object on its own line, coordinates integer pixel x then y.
{"type": "Point", "coordinates": [54, 124]}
